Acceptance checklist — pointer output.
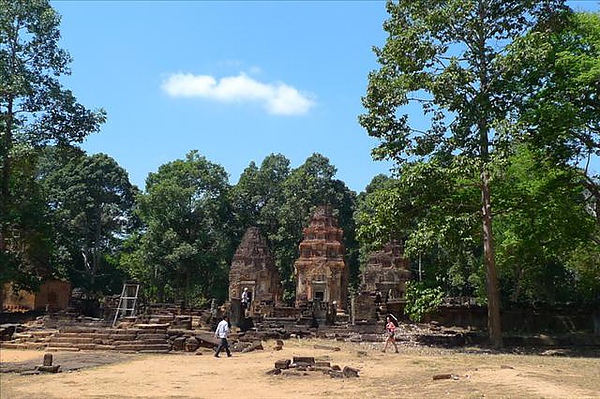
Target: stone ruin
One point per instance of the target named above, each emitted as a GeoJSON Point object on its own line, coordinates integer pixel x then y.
{"type": "Point", "coordinates": [383, 285]}
{"type": "Point", "coordinates": [321, 277]}
{"type": "Point", "coordinates": [254, 268]}
{"type": "Point", "coordinates": [386, 272]}
{"type": "Point", "coordinates": [321, 271]}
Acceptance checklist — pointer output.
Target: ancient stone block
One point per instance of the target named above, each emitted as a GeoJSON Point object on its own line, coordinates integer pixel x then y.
{"type": "Point", "coordinates": [336, 374]}
{"type": "Point", "coordinates": [47, 359]}
{"type": "Point", "coordinates": [327, 347]}
{"type": "Point", "coordinates": [191, 344]}
{"type": "Point", "coordinates": [303, 360]}
{"type": "Point", "coordinates": [179, 343]}
{"type": "Point", "coordinates": [350, 372]}
{"type": "Point", "coordinates": [282, 364]}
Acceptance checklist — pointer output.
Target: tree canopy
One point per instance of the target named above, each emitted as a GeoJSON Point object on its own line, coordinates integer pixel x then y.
{"type": "Point", "coordinates": [35, 110]}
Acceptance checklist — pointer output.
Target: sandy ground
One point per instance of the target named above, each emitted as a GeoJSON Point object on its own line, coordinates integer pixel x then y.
{"type": "Point", "coordinates": [382, 375]}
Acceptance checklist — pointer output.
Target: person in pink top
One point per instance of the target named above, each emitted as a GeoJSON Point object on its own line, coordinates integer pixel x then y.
{"type": "Point", "coordinates": [390, 329]}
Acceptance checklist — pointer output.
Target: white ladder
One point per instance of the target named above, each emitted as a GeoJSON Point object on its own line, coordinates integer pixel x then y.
{"type": "Point", "coordinates": [127, 301]}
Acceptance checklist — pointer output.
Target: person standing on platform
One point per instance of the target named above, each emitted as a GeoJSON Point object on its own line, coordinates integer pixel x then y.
{"type": "Point", "coordinates": [245, 298]}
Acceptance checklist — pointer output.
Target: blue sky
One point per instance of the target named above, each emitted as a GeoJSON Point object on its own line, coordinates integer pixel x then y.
{"type": "Point", "coordinates": [236, 81]}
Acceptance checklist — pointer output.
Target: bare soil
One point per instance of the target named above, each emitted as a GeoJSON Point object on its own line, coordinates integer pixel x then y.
{"type": "Point", "coordinates": [475, 374]}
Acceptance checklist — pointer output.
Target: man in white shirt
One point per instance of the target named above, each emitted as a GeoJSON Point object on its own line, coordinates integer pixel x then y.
{"type": "Point", "coordinates": [245, 298]}
{"type": "Point", "coordinates": [221, 333]}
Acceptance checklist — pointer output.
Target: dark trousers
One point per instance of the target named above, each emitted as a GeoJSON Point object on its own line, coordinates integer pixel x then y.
{"type": "Point", "coordinates": [223, 345]}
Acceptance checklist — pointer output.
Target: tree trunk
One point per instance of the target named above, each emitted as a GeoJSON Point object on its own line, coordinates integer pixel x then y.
{"type": "Point", "coordinates": [5, 197]}
{"type": "Point", "coordinates": [483, 103]}
{"type": "Point", "coordinates": [493, 295]}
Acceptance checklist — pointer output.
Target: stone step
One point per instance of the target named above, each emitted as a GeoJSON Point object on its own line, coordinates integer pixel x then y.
{"type": "Point", "coordinates": [143, 347]}
{"type": "Point", "coordinates": [13, 345]}
{"type": "Point", "coordinates": [62, 349]}
{"type": "Point", "coordinates": [124, 341]}
{"type": "Point", "coordinates": [87, 346]}
{"type": "Point", "coordinates": [123, 337]}
{"type": "Point", "coordinates": [105, 347]}
{"type": "Point", "coordinates": [152, 341]}
{"type": "Point", "coordinates": [83, 335]}
{"type": "Point", "coordinates": [62, 344]}
{"type": "Point", "coordinates": [78, 329]}
{"type": "Point", "coordinates": [43, 333]}
{"type": "Point", "coordinates": [123, 331]}
{"type": "Point", "coordinates": [157, 327]}
{"type": "Point", "coordinates": [72, 340]}
{"type": "Point", "coordinates": [152, 336]}
{"type": "Point", "coordinates": [154, 351]}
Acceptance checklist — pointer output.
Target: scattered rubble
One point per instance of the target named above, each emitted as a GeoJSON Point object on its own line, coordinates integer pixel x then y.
{"type": "Point", "coordinates": [307, 365]}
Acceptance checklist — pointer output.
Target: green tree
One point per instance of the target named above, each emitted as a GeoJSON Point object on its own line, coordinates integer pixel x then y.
{"type": "Point", "coordinates": [34, 108]}
{"type": "Point", "coordinates": [554, 77]}
{"type": "Point", "coordinates": [541, 223]}
{"type": "Point", "coordinates": [421, 301]}
{"type": "Point", "coordinates": [258, 195]}
{"type": "Point", "coordinates": [432, 211]}
{"type": "Point", "coordinates": [556, 81]}
{"type": "Point", "coordinates": [187, 242]}
{"type": "Point", "coordinates": [26, 263]}
{"type": "Point", "coordinates": [444, 57]}
{"type": "Point", "coordinates": [91, 202]}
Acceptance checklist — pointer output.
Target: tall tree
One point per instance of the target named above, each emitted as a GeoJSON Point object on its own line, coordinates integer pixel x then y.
{"type": "Point", "coordinates": [443, 56]}
{"type": "Point", "coordinates": [258, 195]}
{"type": "Point", "coordinates": [187, 243]}
{"type": "Point", "coordinates": [34, 107]}
{"type": "Point", "coordinates": [91, 202]}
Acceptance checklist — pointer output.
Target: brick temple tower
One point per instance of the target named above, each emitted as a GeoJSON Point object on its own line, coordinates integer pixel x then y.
{"type": "Point", "coordinates": [321, 271]}
{"type": "Point", "coordinates": [253, 267]}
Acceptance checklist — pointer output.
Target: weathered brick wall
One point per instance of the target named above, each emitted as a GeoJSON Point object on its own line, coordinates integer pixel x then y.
{"type": "Point", "coordinates": [364, 308]}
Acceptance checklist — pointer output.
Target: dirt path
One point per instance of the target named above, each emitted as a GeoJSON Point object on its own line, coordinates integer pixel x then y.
{"type": "Point", "coordinates": [407, 375]}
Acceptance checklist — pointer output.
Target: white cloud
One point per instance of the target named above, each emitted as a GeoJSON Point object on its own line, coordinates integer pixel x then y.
{"type": "Point", "coordinates": [276, 98]}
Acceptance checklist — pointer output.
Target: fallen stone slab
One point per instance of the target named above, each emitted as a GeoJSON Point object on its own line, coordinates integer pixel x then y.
{"type": "Point", "coordinates": [49, 369]}
{"type": "Point", "coordinates": [274, 371]}
{"type": "Point", "coordinates": [445, 377]}
{"type": "Point", "coordinates": [326, 347]}
{"type": "Point", "coordinates": [336, 374]}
